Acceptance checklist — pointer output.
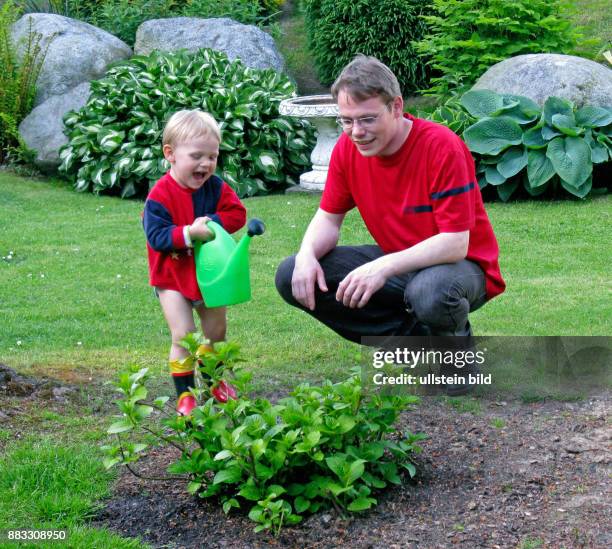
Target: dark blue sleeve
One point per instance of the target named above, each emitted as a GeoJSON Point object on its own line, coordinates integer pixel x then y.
{"type": "Point", "coordinates": [158, 226]}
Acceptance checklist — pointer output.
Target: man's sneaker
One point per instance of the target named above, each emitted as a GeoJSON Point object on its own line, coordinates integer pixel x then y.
{"type": "Point", "coordinates": [459, 389]}
{"type": "Point", "coordinates": [186, 403]}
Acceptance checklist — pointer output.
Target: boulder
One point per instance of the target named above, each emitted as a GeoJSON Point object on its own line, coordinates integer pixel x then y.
{"type": "Point", "coordinates": [78, 52]}
{"type": "Point", "coordinates": [539, 76]}
{"type": "Point", "coordinates": [254, 47]}
{"type": "Point", "coordinates": [42, 129]}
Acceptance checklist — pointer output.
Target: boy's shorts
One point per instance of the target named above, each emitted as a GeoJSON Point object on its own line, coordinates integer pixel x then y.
{"type": "Point", "coordinates": [194, 304]}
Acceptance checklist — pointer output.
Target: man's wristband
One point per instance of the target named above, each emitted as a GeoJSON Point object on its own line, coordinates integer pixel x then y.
{"type": "Point", "coordinates": [187, 237]}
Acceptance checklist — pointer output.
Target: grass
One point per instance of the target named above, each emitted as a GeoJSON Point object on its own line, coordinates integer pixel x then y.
{"type": "Point", "coordinates": [75, 296]}
{"type": "Point", "coordinates": [44, 485]}
{"type": "Point", "coordinates": [595, 18]}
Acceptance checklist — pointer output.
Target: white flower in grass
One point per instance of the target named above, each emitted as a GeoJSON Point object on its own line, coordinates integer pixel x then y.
{"type": "Point", "coordinates": [19, 342]}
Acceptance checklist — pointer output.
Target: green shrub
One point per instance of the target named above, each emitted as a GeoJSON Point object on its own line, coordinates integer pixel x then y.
{"type": "Point", "coordinates": [451, 114]}
{"type": "Point", "coordinates": [123, 17]}
{"type": "Point", "coordinates": [468, 36]}
{"type": "Point", "coordinates": [340, 29]}
{"type": "Point", "coordinates": [115, 140]}
{"type": "Point", "coordinates": [323, 446]}
{"type": "Point", "coordinates": [17, 81]}
{"type": "Point", "coordinates": [518, 144]}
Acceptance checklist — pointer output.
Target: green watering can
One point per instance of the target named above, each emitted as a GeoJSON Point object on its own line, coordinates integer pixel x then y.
{"type": "Point", "coordinates": [222, 266]}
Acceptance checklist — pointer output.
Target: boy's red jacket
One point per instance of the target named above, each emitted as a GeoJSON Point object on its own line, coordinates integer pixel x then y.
{"type": "Point", "coordinates": [168, 208]}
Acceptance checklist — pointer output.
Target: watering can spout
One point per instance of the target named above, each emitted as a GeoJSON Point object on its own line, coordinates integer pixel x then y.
{"type": "Point", "coordinates": [222, 266]}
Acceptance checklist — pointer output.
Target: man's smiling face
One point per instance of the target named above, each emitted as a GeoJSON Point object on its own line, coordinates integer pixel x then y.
{"type": "Point", "coordinates": [375, 125]}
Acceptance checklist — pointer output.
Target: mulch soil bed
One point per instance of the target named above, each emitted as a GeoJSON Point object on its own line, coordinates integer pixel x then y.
{"type": "Point", "coordinates": [540, 478]}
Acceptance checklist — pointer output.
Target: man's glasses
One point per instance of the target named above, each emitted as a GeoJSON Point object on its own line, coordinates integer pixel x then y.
{"type": "Point", "coordinates": [366, 122]}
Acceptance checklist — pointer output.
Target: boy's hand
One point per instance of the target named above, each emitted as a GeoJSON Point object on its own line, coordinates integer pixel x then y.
{"type": "Point", "coordinates": [200, 231]}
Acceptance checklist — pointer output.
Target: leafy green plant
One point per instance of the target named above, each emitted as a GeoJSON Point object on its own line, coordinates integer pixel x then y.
{"type": "Point", "coordinates": [115, 140]}
{"type": "Point", "coordinates": [451, 114]}
{"type": "Point", "coordinates": [516, 143]}
{"type": "Point", "coordinates": [17, 82]}
{"type": "Point", "coordinates": [58, 7]}
{"type": "Point", "coordinates": [323, 446]}
{"type": "Point", "coordinates": [123, 17]}
{"type": "Point", "coordinates": [340, 29]}
{"type": "Point", "coordinates": [466, 37]}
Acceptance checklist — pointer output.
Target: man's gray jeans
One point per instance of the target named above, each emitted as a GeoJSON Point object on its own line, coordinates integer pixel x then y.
{"type": "Point", "coordinates": [435, 300]}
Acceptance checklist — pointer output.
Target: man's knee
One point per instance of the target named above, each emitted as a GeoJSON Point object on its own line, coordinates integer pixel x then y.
{"type": "Point", "coordinates": [436, 301]}
{"type": "Point", "coordinates": [283, 277]}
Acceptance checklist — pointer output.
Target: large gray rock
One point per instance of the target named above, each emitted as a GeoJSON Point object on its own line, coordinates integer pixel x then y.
{"type": "Point", "coordinates": [42, 129]}
{"type": "Point", "coordinates": [539, 76]}
{"type": "Point", "coordinates": [254, 47]}
{"type": "Point", "coordinates": [78, 52]}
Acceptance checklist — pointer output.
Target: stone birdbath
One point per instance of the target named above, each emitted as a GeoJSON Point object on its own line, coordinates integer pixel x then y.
{"type": "Point", "coordinates": [322, 111]}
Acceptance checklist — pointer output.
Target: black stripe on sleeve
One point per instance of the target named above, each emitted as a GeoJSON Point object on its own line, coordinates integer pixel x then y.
{"type": "Point", "coordinates": [453, 192]}
{"type": "Point", "coordinates": [417, 209]}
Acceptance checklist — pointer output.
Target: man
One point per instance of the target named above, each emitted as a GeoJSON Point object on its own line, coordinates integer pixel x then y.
{"type": "Point", "coordinates": [414, 184]}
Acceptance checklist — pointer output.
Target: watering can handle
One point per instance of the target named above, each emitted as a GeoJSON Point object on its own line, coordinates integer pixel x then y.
{"type": "Point", "coordinates": [255, 227]}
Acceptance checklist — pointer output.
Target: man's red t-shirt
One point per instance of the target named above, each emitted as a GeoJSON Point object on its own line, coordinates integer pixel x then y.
{"type": "Point", "coordinates": [425, 188]}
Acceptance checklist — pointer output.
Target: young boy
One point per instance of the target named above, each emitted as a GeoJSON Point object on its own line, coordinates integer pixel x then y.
{"type": "Point", "coordinates": [175, 215]}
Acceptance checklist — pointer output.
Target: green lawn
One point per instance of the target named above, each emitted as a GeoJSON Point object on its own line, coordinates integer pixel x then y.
{"type": "Point", "coordinates": [595, 17]}
{"type": "Point", "coordinates": [74, 296]}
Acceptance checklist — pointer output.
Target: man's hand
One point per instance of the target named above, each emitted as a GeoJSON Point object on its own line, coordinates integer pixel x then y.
{"type": "Point", "coordinates": [199, 230]}
{"type": "Point", "coordinates": [306, 273]}
{"type": "Point", "coordinates": [359, 285]}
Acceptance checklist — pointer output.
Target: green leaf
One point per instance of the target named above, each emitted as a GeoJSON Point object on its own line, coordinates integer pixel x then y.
{"type": "Point", "coordinates": [251, 492]}
{"type": "Point", "coordinates": [580, 191]}
{"type": "Point", "coordinates": [571, 159]}
{"type": "Point", "coordinates": [556, 105]}
{"type": "Point", "coordinates": [593, 117]}
{"type": "Point", "coordinates": [506, 190]}
{"type": "Point", "coordinates": [493, 135]}
{"type": "Point", "coordinates": [229, 476]}
{"type": "Point", "coordinates": [549, 133]}
{"type": "Point", "coordinates": [301, 504]}
{"type": "Point", "coordinates": [533, 139]}
{"type": "Point", "coordinates": [410, 468]}
{"type": "Point", "coordinates": [345, 423]}
{"type": "Point", "coordinates": [356, 470]}
{"type": "Point", "coordinates": [389, 472]}
{"type": "Point", "coordinates": [599, 152]}
{"type": "Point", "coordinates": [193, 487]}
{"type": "Point", "coordinates": [566, 125]}
{"type": "Point", "coordinates": [361, 504]}
{"type": "Point", "coordinates": [227, 505]}
{"type": "Point", "coordinates": [109, 462]}
{"type": "Point", "coordinates": [493, 177]}
{"type": "Point", "coordinates": [512, 162]}
{"type": "Point", "coordinates": [481, 103]}
{"type": "Point", "coordinates": [539, 168]}
{"type": "Point", "coordinates": [338, 464]}
{"type": "Point", "coordinates": [120, 426]}
{"type": "Point", "coordinates": [223, 455]}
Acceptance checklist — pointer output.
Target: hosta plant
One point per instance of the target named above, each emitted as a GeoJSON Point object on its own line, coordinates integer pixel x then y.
{"type": "Point", "coordinates": [517, 143]}
{"type": "Point", "coordinates": [115, 139]}
{"type": "Point", "coordinates": [327, 446]}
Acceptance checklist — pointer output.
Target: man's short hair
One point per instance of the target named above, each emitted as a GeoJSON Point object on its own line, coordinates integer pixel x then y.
{"type": "Point", "coordinates": [366, 77]}
{"type": "Point", "coordinates": [185, 125]}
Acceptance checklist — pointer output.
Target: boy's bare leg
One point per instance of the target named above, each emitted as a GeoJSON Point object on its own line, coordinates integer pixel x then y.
{"type": "Point", "coordinates": [214, 322]}
{"type": "Point", "coordinates": [179, 316]}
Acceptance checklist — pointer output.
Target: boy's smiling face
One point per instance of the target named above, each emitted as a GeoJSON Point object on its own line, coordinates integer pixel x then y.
{"type": "Point", "coordinates": [193, 161]}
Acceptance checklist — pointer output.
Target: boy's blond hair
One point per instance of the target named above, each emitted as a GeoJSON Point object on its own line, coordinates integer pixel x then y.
{"type": "Point", "coordinates": [189, 124]}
